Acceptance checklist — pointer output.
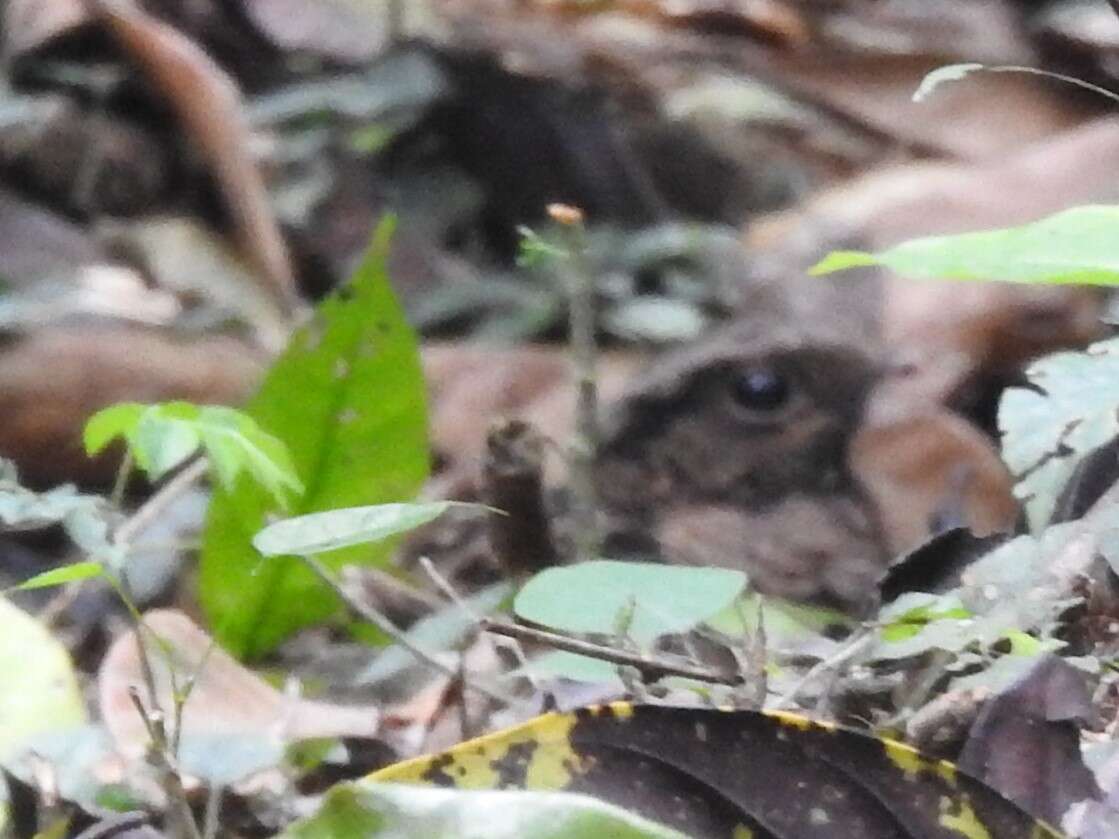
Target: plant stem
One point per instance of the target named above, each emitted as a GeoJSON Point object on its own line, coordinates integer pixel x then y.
{"type": "Point", "coordinates": [154, 506]}
{"type": "Point", "coordinates": [181, 816]}
{"type": "Point", "coordinates": [651, 669]}
{"type": "Point", "coordinates": [584, 356]}
{"type": "Point", "coordinates": [395, 23]}
{"type": "Point", "coordinates": [856, 644]}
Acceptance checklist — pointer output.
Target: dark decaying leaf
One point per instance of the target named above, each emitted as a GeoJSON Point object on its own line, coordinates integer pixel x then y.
{"type": "Point", "coordinates": [716, 773]}
{"type": "Point", "coordinates": [936, 565]}
{"type": "Point", "coordinates": [1026, 741]}
{"type": "Point", "coordinates": [1092, 477]}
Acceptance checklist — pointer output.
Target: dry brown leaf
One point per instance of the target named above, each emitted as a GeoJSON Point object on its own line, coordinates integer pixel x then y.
{"type": "Point", "coordinates": [209, 108]}
{"type": "Point", "coordinates": [52, 381]}
{"type": "Point", "coordinates": [227, 698]}
{"type": "Point", "coordinates": [930, 466]}
{"type": "Point", "coordinates": [952, 331]}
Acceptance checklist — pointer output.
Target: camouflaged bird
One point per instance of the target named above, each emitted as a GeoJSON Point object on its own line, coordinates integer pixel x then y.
{"type": "Point", "coordinates": [767, 448]}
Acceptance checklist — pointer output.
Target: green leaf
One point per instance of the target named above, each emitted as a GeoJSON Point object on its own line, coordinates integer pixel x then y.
{"type": "Point", "coordinates": [334, 529]}
{"type": "Point", "coordinates": [60, 576]}
{"type": "Point", "coordinates": [347, 398]}
{"type": "Point", "coordinates": [1075, 246]}
{"type": "Point", "coordinates": [233, 441]}
{"type": "Point", "coordinates": [1046, 430]}
{"type": "Point", "coordinates": [163, 436]}
{"type": "Point", "coordinates": [787, 624]}
{"type": "Point", "coordinates": [38, 689]}
{"type": "Point", "coordinates": [106, 425]}
{"type": "Point", "coordinates": [370, 809]}
{"type": "Point", "coordinates": [588, 597]}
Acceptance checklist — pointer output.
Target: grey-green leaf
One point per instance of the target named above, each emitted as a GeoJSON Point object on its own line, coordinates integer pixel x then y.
{"type": "Point", "coordinates": [1047, 430]}
{"type": "Point", "coordinates": [590, 596]}
{"type": "Point", "coordinates": [319, 532]}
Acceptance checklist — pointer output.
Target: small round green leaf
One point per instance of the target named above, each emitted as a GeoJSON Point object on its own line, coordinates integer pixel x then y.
{"type": "Point", "coordinates": [590, 597]}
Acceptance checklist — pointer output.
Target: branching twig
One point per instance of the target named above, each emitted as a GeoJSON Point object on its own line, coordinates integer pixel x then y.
{"type": "Point", "coordinates": [445, 586]}
{"type": "Point", "coordinates": [853, 647]}
{"type": "Point", "coordinates": [369, 614]}
{"type": "Point", "coordinates": [651, 669]}
{"type": "Point", "coordinates": [164, 763]}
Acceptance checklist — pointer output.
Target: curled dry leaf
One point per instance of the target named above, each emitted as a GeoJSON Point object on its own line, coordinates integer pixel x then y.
{"type": "Point", "coordinates": [52, 381]}
{"type": "Point", "coordinates": [208, 104]}
{"type": "Point", "coordinates": [931, 469]}
{"type": "Point", "coordinates": [227, 698]}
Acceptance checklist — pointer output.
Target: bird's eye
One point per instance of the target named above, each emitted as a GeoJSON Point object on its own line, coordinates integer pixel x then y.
{"type": "Point", "coordinates": [761, 389]}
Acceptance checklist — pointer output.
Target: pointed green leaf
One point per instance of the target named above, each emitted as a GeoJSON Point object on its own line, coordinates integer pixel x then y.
{"type": "Point", "coordinates": [1075, 246]}
{"type": "Point", "coordinates": [60, 576]}
{"type": "Point", "coordinates": [165, 437]}
{"type": "Point", "coordinates": [347, 398]}
{"type": "Point", "coordinates": [334, 529]}
{"type": "Point", "coordinates": [234, 442]}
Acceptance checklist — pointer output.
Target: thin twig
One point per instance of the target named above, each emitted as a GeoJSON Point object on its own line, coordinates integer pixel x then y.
{"type": "Point", "coordinates": [124, 472]}
{"type": "Point", "coordinates": [154, 506]}
{"type": "Point", "coordinates": [444, 585]}
{"type": "Point", "coordinates": [169, 776]}
{"type": "Point", "coordinates": [211, 822]}
{"type": "Point", "coordinates": [370, 615]}
{"type": "Point", "coordinates": [165, 749]}
{"type": "Point", "coordinates": [852, 648]}
{"type": "Point", "coordinates": [651, 669]}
